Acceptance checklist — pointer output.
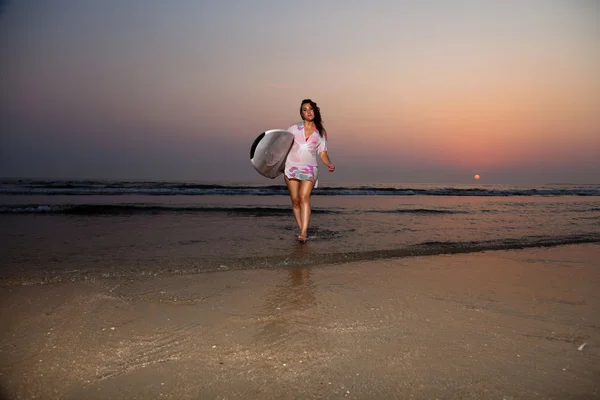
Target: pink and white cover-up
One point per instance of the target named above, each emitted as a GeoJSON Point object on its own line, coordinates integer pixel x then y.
{"type": "Point", "coordinates": [301, 162]}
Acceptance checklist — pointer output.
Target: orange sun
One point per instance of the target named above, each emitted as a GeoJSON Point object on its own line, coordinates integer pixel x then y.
{"type": "Point", "coordinates": [477, 176]}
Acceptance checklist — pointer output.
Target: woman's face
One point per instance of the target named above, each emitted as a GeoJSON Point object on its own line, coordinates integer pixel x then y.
{"type": "Point", "coordinates": [308, 114]}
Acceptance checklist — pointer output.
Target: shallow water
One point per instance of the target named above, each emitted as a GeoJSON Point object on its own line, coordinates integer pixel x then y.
{"type": "Point", "coordinates": [74, 234]}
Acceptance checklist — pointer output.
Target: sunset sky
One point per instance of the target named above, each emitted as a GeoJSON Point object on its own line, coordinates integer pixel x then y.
{"type": "Point", "coordinates": [429, 91]}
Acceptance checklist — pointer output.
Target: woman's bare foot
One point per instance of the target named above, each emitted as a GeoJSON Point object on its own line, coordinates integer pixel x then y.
{"type": "Point", "coordinates": [302, 238]}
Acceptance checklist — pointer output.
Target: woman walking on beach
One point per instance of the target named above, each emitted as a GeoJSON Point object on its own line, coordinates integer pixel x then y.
{"type": "Point", "coordinates": [301, 169]}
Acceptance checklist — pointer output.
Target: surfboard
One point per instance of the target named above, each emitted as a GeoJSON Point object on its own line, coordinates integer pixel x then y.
{"type": "Point", "coordinates": [269, 151]}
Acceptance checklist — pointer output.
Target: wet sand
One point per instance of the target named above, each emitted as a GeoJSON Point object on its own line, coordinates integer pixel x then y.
{"type": "Point", "coordinates": [520, 324]}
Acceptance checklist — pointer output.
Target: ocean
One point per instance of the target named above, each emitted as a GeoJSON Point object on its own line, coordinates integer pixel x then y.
{"type": "Point", "coordinates": [55, 231]}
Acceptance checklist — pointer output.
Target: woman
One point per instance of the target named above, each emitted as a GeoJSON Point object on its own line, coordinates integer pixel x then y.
{"type": "Point", "coordinates": [301, 170]}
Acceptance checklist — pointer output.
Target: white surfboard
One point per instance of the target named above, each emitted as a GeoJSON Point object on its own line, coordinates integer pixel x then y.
{"type": "Point", "coordinates": [269, 151]}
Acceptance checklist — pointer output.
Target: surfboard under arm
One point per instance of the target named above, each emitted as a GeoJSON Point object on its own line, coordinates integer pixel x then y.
{"type": "Point", "coordinates": [269, 152]}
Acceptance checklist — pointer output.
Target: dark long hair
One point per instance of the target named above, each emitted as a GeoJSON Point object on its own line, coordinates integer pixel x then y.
{"type": "Point", "coordinates": [318, 120]}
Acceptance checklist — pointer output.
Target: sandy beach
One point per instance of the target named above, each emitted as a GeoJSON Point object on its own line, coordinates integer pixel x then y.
{"type": "Point", "coordinates": [521, 324]}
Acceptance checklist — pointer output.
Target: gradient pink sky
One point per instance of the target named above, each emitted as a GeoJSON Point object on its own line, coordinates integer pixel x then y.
{"type": "Point", "coordinates": [410, 91]}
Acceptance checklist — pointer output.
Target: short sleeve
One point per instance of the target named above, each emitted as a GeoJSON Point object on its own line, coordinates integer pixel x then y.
{"type": "Point", "coordinates": [322, 145]}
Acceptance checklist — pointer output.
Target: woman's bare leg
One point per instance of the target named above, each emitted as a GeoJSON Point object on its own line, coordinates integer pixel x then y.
{"type": "Point", "coordinates": [294, 188]}
{"type": "Point", "coordinates": [306, 188]}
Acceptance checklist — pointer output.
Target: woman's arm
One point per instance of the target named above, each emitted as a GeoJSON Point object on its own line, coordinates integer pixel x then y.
{"type": "Point", "coordinates": [325, 158]}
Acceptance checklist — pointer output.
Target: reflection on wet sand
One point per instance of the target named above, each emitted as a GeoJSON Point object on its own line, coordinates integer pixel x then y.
{"type": "Point", "coordinates": [287, 306]}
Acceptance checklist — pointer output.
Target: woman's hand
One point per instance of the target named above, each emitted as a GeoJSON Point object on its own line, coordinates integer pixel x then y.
{"type": "Point", "coordinates": [327, 161]}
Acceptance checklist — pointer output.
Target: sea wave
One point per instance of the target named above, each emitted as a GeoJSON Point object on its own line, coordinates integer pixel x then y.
{"type": "Point", "coordinates": [128, 209]}
{"type": "Point", "coordinates": [101, 188]}
{"type": "Point", "coordinates": [419, 211]}
{"type": "Point", "coordinates": [131, 209]}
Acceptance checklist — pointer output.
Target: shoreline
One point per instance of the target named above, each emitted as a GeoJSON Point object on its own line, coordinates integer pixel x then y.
{"type": "Point", "coordinates": [492, 324]}
{"type": "Point", "coordinates": [299, 256]}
